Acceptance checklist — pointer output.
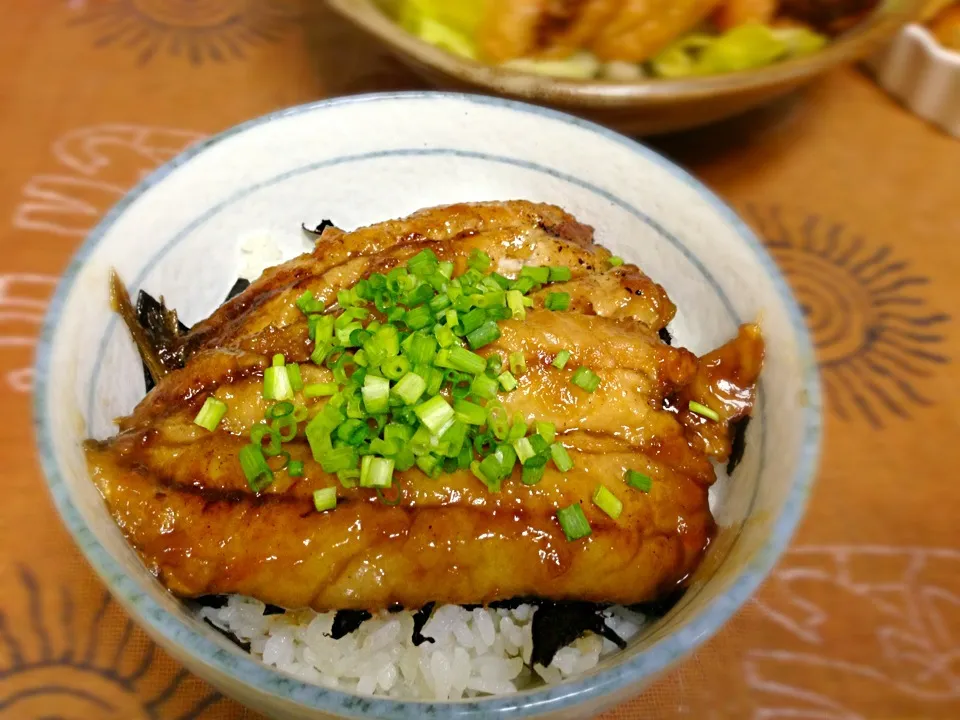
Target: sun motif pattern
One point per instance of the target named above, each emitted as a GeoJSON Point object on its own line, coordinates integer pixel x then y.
{"type": "Point", "coordinates": [73, 663]}
{"type": "Point", "coordinates": [198, 30]}
{"type": "Point", "coordinates": [877, 338]}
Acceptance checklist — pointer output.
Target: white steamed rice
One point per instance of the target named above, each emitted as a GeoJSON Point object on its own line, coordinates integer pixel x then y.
{"type": "Point", "coordinates": [475, 652]}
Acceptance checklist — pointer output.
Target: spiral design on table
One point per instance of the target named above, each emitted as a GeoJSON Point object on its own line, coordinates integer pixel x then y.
{"type": "Point", "coordinates": [878, 341]}
{"type": "Point", "coordinates": [71, 663]}
{"type": "Point", "coordinates": [197, 30]}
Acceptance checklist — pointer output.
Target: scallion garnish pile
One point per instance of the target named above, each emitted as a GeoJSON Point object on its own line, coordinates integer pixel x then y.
{"type": "Point", "coordinates": [410, 390]}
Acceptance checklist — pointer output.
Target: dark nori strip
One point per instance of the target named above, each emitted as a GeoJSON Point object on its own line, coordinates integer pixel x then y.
{"type": "Point", "coordinates": [513, 603]}
{"type": "Point", "coordinates": [556, 625]}
{"type": "Point", "coordinates": [738, 442]}
{"type": "Point", "coordinates": [659, 607]}
{"type": "Point", "coordinates": [395, 608]}
{"type": "Point", "coordinates": [273, 610]}
{"type": "Point", "coordinates": [163, 328]}
{"type": "Point", "coordinates": [238, 287]}
{"type": "Point", "coordinates": [211, 601]}
{"type": "Point", "coordinates": [420, 618]}
{"type": "Point", "coordinates": [318, 231]}
{"type": "Point", "coordinates": [245, 646]}
{"type": "Point", "coordinates": [665, 336]}
{"type": "Point", "coordinates": [470, 608]}
{"type": "Point", "coordinates": [346, 621]}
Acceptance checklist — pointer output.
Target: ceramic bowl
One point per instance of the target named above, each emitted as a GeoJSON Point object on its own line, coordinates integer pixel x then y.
{"type": "Point", "coordinates": [642, 107]}
{"type": "Point", "coordinates": [365, 159]}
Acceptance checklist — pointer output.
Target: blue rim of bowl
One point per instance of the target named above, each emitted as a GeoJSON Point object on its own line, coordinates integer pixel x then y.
{"type": "Point", "coordinates": [272, 682]}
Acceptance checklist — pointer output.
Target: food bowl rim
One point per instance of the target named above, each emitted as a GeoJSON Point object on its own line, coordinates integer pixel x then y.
{"type": "Point", "coordinates": [856, 42]}
{"type": "Point", "coordinates": [218, 658]}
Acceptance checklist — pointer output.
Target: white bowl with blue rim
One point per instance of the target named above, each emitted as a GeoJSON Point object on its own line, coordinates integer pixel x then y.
{"type": "Point", "coordinates": [365, 159]}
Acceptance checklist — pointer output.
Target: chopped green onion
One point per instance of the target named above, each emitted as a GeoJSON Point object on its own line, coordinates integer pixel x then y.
{"type": "Point", "coordinates": [434, 382]}
{"type": "Point", "coordinates": [494, 364]}
{"type": "Point", "coordinates": [561, 458]}
{"type": "Point", "coordinates": [435, 413]}
{"type": "Point", "coordinates": [376, 472]}
{"type": "Point", "coordinates": [540, 446]}
{"type": "Point", "coordinates": [421, 294]}
{"type": "Point", "coordinates": [479, 260]}
{"type": "Point", "coordinates": [255, 468]}
{"type": "Point", "coordinates": [320, 353]}
{"type": "Point", "coordinates": [518, 429]}
{"type": "Point", "coordinates": [560, 274]}
{"type": "Point", "coordinates": [319, 390]}
{"type": "Point", "coordinates": [586, 379]}
{"type": "Point", "coordinates": [430, 465]}
{"type": "Point", "coordinates": [638, 480]}
{"type": "Point", "coordinates": [257, 435]}
{"type": "Point", "coordinates": [607, 501]}
{"type": "Point", "coordinates": [445, 269]}
{"type": "Point", "coordinates": [410, 388]}
{"type": "Point", "coordinates": [500, 280]}
{"type": "Point", "coordinates": [515, 303]}
{"type": "Point", "coordinates": [278, 360]}
{"type": "Point", "coordinates": [295, 468]}
{"type": "Point", "coordinates": [337, 459]}
{"type": "Point", "coordinates": [533, 470]}
{"type": "Point", "coordinates": [463, 359]}
{"type": "Point", "coordinates": [293, 374]}
{"type": "Point", "coordinates": [376, 394]}
{"type": "Point", "coordinates": [557, 301]}
{"type": "Point", "coordinates": [523, 284]}
{"type": "Point", "coordinates": [286, 427]}
{"type": "Point", "coordinates": [325, 499]}
{"type": "Point", "coordinates": [497, 420]}
{"type": "Point", "coordinates": [473, 319]}
{"type": "Point", "coordinates": [469, 413]}
{"type": "Point", "coordinates": [320, 327]}
{"type": "Point", "coordinates": [547, 430]}
{"type": "Point", "coordinates": [484, 335]}
{"type": "Point", "coordinates": [424, 262]}
{"type": "Point", "coordinates": [518, 363]}
{"type": "Point", "coordinates": [507, 381]}
{"type": "Point", "coordinates": [524, 449]}
{"type": "Point", "coordinates": [573, 522]}
{"type": "Point", "coordinates": [560, 361]}
{"type": "Point", "coordinates": [418, 317]}
{"type": "Point", "coordinates": [309, 304]}
{"type": "Point", "coordinates": [211, 413]}
{"type": "Point", "coordinates": [704, 411]}
{"type": "Point", "coordinates": [615, 261]}
{"type": "Point", "coordinates": [483, 387]}
{"type": "Point", "coordinates": [490, 473]}
{"type": "Point", "coordinates": [492, 300]}
{"type": "Point", "coordinates": [540, 275]}
{"type": "Point", "coordinates": [395, 368]}
{"type": "Point", "coordinates": [387, 448]}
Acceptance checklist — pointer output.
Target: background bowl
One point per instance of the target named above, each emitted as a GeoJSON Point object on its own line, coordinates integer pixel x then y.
{"type": "Point", "coordinates": [641, 107]}
{"type": "Point", "coordinates": [365, 159]}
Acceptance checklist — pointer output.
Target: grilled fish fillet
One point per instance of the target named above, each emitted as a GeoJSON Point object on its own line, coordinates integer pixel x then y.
{"type": "Point", "coordinates": [180, 497]}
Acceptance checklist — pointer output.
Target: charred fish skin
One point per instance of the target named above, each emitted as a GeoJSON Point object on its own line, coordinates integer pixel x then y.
{"type": "Point", "coordinates": [178, 492]}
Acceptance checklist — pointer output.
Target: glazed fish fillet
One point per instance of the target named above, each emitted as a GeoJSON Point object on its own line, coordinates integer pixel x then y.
{"type": "Point", "coordinates": [181, 498]}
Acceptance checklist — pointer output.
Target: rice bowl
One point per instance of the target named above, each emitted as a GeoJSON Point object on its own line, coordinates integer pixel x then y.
{"type": "Point", "coordinates": [373, 181]}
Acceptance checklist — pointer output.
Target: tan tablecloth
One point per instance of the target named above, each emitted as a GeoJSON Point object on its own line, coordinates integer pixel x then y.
{"type": "Point", "coordinates": [859, 202]}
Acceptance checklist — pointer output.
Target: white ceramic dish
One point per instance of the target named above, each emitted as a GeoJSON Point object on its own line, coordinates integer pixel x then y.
{"type": "Point", "coordinates": [364, 159]}
{"type": "Point", "coordinates": [923, 75]}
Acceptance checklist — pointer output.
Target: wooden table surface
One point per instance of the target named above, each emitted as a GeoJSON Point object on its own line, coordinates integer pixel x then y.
{"type": "Point", "coordinates": [858, 201]}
